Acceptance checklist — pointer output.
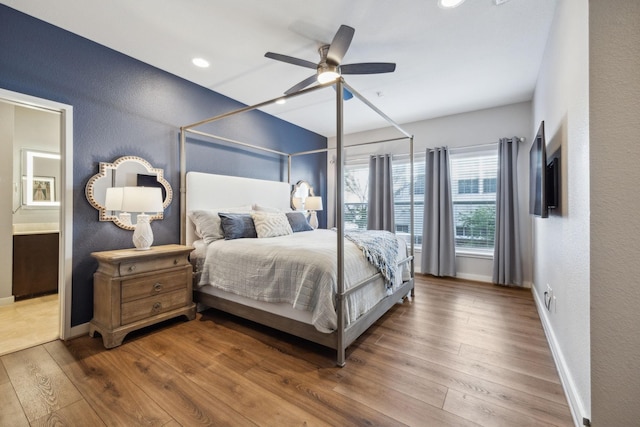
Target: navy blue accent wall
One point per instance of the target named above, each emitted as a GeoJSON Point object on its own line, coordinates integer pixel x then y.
{"type": "Point", "coordinates": [123, 107]}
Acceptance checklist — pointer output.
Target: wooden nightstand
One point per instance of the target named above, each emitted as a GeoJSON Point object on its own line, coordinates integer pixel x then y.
{"type": "Point", "coordinates": [133, 289]}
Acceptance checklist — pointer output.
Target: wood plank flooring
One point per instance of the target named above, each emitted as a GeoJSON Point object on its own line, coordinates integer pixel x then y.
{"type": "Point", "coordinates": [459, 354]}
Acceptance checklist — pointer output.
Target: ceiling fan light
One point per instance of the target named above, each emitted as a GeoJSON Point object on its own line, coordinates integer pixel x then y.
{"type": "Point", "coordinates": [327, 76]}
{"type": "Point", "coordinates": [449, 4]}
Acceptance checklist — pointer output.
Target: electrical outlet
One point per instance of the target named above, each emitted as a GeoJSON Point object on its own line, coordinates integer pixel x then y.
{"type": "Point", "coordinates": [548, 297]}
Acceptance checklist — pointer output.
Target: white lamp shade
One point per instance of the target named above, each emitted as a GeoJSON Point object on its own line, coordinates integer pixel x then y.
{"type": "Point", "coordinates": [313, 203]}
{"type": "Point", "coordinates": [113, 200]}
{"type": "Point", "coordinates": [142, 199]}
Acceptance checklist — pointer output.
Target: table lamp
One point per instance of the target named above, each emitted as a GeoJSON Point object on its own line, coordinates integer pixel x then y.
{"type": "Point", "coordinates": [142, 200]}
{"type": "Point", "coordinates": [313, 204]}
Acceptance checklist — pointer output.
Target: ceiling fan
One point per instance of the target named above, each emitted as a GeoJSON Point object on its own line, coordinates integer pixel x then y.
{"type": "Point", "coordinates": [330, 66]}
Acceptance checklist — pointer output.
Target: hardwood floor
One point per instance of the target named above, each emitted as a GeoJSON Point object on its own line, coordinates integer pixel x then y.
{"type": "Point", "coordinates": [29, 322]}
{"type": "Point", "coordinates": [460, 354]}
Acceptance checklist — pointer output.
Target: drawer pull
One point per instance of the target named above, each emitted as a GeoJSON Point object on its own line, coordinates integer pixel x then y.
{"type": "Point", "coordinates": [175, 262]}
{"type": "Point", "coordinates": [157, 306]}
{"type": "Point", "coordinates": [132, 267]}
{"type": "Point", "coordinates": [157, 287]}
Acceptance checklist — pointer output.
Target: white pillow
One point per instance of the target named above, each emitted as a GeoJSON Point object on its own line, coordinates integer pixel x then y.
{"type": "Point", "coordinates": [262, 208]}
{"type": "Point", "coordinates": [208, 224]}
{"type": "Point", "coordinates": [271, 224]}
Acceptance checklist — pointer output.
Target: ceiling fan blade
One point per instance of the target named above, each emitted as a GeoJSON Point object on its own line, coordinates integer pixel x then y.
{"type": "Point", "coordinates": [306, 82]}
{"type": "Point", "coordinates": [291, 60]}
{"type": "Point", "coordinates": [368, 68]}
{"type": "Point", "coordinates": [340, 44]}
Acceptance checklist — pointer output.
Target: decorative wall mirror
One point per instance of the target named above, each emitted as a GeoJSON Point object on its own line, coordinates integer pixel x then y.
{"type": "Point", "coordinates": [301, 190]}
{"type": "Point", "coordinates": [127, 171]}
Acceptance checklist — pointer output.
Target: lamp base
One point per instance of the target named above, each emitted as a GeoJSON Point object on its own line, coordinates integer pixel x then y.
{"type": "Point", "coordinates": [125, 217]}
{"type": "Point", "coordinates": [143, 236]}
{"type": "Point", "coordinates": [313, 219]}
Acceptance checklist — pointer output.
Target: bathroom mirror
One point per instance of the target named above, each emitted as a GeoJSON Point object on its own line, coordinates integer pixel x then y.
{"type": "Point", "coordinates": [40, 179]}
{"type": "Point", "coordinates": [127, 171]}
{"type": "Point", "coordinates": [301, 190]}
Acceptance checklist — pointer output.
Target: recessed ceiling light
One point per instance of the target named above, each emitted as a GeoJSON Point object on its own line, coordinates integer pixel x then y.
{"type": "Point", "coordinates": [281, 101]}
{"type": "Point", "coordinates": [449, 4]}
{"type": "Point", "coordinates": [200, 62]}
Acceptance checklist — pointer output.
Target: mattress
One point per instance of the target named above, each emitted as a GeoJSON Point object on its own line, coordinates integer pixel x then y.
{"type": "Point", "coordinates": [293, 275]}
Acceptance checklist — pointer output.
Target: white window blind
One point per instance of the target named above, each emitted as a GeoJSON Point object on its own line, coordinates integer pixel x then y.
{"type": "Point", "coordinates": [473, 186]}
{"type": "Point", "coordinates": [356, 195]}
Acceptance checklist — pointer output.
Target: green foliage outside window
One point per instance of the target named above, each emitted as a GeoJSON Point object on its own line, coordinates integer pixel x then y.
{"type": "Point", "coordinates": [479, 227]}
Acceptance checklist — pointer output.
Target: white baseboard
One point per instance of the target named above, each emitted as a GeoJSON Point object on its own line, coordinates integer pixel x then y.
{"type": "Point", "coordinates": [474, 277]}
{"type": "Point", "coordinates": [486, 279]}
{"type": "Point", "coordinates": [79, 330]}
{"type": "Point", "coordinates": [7, 300]}
{"type": "Point", "coordinates": [570, 390]}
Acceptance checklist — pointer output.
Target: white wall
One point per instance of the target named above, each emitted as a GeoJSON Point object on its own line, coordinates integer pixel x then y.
{"type": "Point", "coordinates": [614, 83]}
{"type": "Point", "coordinates": [561, 242]}
{"type": "Point", "coordinates": [22, 128]}
{"type": "Point", "coordinates": [460, 130]}
{"type": "Point", "coordinates": [36, 130]}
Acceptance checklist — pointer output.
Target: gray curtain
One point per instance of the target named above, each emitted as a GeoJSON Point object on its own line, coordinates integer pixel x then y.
{"type": "Point", "coordinates": [507, 263]}
{"type": "Point", "coordinates": [438, 239]}
{"type": "Point", "coordinates": [380, 208]}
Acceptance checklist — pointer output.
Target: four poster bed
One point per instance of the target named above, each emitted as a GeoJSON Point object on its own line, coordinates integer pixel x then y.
{"type": "Point", "coordinates": [257, 259]}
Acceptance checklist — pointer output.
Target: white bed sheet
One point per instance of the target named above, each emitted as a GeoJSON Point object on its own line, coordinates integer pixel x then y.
{"type": "Point", "coordinates": [299, 270]}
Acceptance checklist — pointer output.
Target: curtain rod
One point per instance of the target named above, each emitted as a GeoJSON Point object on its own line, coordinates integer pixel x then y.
{"type": "Point", "coordinates": [466, 147]}
{"type": "Point", "coordinates": [486, 144]}
{"type": "Point", "coordinates": [363, 159]}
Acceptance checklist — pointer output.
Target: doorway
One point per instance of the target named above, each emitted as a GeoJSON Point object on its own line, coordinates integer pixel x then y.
{"type": "Point", "coordinates": [36, 149]}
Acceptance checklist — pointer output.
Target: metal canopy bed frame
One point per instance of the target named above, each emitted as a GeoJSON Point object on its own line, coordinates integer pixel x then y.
{"type": "Point", "coordinates": [344, 334]}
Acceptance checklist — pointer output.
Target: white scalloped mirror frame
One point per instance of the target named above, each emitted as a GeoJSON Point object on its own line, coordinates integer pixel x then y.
{"type": "Point", "coordinates": [123, 172]}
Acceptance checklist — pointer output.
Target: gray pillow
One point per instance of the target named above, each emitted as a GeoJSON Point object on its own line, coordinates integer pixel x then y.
{"type": "Point", "coordinates": [237, 226]}
{"type": "Point", "coordinates": [298, 222]}
{"type": "Point", "coordinates": [207, 222]}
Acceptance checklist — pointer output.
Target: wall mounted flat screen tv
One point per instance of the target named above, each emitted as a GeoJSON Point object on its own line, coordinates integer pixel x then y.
{"type": "Point", "coordinates": [553, 180]}
{"type": "Point", "coordinates": [538, 175]}
{"type": "Point", "coordinates": [544, 178]}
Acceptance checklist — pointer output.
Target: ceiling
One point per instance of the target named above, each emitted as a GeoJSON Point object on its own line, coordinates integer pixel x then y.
{"type": "Point", "coordinates": [478, 55]}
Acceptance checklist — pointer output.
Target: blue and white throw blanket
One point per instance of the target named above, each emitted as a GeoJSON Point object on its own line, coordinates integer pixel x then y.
{"type": "Point", "coordinates": [380, 248]}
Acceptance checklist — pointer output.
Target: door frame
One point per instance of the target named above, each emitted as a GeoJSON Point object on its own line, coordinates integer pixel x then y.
{"type": "Point", "coordinates": [65, 257]}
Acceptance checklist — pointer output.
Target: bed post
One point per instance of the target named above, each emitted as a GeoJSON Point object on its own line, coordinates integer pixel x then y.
{"type": "Point", "coordinates": [341, 347]}
{"type": "Point", "coordinates": [183, 187]}
{"type": "Point", "coordinates": [411, 221]}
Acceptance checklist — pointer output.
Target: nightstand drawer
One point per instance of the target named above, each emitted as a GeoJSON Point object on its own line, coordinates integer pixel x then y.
{"type": "Point", "coordinates": [152, 285]}
{"type": "Point", "coordinates": [147, 307]}
{"type": "Point", "coordinates": [150, 265]}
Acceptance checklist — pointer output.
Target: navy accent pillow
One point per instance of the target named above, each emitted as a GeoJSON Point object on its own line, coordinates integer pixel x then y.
{"type": "Point", "coordinates": [298, 222]}
{"type": "Point", "coordinates": [237, 226]}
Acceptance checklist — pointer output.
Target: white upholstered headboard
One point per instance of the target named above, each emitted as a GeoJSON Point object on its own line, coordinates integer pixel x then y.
{"type": "Point", "coordinates": [210, 191]}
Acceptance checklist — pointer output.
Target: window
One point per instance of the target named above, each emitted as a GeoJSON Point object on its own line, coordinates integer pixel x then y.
{"type": "Point", "coordinates": [468, 186]}
{"type": "Point", "coordinates": [473, 184]}
{"type": "Point", "coordinates": [489, 185]}
{"type": "Point", "coordinates": [356, 191]}
{"type": "Point", "coordinates": [356, 196]}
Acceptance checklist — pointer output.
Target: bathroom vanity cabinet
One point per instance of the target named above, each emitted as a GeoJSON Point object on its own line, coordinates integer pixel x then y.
{"type": "Point", "coordinates": [35, 264]}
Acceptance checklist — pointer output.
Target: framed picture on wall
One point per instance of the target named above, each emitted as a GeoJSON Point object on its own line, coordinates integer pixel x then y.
{"type": "Point", "coordinates": [38, 191]}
